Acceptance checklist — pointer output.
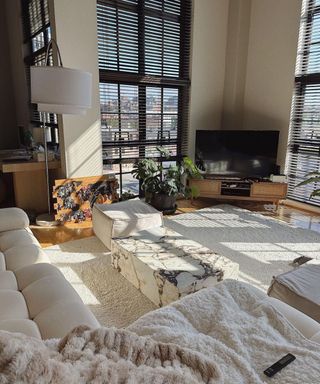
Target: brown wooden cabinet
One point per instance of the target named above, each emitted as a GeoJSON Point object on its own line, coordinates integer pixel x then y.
{"type": "Point", "coordinates": [240, 190]}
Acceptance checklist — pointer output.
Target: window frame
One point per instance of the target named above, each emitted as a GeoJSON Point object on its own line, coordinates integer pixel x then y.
{"type": "Point", "coordinates": [35, 56]}
{"type": "Point", "coordinates": [296, 145]}
{"type": "Point", "coordinates": [143, 81]}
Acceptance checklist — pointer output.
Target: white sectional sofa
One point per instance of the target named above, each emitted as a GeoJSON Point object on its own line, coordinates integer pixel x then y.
{"type": "Point", "coordinates": [35, 298]}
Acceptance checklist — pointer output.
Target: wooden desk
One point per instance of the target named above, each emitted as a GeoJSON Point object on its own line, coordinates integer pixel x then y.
{"type": "Point", "coordinates": [29, 180]}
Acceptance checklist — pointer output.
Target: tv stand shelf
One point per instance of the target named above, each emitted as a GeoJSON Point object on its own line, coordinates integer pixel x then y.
{"type": "Point", "coordinates": [240, 189]}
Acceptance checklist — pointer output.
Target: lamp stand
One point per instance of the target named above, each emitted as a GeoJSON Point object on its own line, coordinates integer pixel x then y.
{"type": "Point", "coordinates": [46, 219]}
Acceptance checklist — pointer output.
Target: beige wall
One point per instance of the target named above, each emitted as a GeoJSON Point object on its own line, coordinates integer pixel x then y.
{"type": "Point", "coordinates": [209, 36]}
{"type": "Point", "coordinates": [8, 122]}
{"type": "Point", "coordinates": [236, 63]}
{"type": "Point", "coordinates": [74, 25]}
{"type": "Point", "coordinates": [271, 60]}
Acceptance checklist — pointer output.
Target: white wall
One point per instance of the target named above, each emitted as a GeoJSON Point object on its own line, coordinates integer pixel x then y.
{"type": "Point", "coordinates": [209, 36]}
{"type": "Point", "coordinates": [74, 25]}
{"type": "Point", "coordinates": [272, 51]}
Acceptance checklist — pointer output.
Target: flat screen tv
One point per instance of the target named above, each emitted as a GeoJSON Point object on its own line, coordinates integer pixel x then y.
{"type": "Point", "coordinates": [237, 153]}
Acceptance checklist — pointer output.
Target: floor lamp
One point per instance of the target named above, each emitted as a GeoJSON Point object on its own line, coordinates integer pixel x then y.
{"type": "Point", "coordinates": [62, 91]}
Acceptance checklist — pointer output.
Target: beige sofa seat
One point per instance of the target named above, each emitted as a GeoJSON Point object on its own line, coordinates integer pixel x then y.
{"type": "Point", "coordinates": [26, 326]}
{"type": "Point", "coordinates": [59, 319]}
{"type": "Point", "coordinates": [123, 219]}
{"type": "Point", "coordinates": [35, 298]}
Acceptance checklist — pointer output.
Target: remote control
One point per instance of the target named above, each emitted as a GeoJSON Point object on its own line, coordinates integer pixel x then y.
{"type": "Point", "coordinates": [276, 367]}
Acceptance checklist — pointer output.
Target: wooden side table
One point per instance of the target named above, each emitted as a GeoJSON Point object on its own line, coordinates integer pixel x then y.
{"type": "Point", "coordinates": [29, 182]}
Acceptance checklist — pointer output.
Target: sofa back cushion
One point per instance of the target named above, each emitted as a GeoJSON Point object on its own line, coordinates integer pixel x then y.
{"type": "Point", "coordinates": [13, 218]}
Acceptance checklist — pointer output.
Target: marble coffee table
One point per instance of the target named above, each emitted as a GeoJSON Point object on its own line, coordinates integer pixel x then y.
{"type": "Point", "coordinates": [165, 266]}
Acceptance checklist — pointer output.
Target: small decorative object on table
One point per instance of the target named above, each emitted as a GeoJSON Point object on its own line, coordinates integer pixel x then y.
{"type": "Point", "coordinates": [162, 186]}
{"type": "Point", "coordinates": [75, 197]}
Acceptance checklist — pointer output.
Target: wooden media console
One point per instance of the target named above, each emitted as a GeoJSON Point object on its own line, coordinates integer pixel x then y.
{"type": "Point", "coordinates": [240, 189]}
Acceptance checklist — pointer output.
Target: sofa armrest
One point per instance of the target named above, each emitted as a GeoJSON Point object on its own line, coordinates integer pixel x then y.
{"type": "Point", "coordinates": [13, 218]}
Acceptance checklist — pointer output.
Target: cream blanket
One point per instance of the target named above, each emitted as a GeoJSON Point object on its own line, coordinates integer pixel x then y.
{"type": "Point", "coordinates": [235, 325]}
{"type": "Point", "coordinates": [226, 334]}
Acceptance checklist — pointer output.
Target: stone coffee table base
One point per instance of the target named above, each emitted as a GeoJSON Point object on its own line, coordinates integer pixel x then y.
{"type": "Point", "coordinates": [165, 266]}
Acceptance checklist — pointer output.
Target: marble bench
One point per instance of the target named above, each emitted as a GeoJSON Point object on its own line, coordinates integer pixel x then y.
{"type": "Point", "coordinates": [165, 266]}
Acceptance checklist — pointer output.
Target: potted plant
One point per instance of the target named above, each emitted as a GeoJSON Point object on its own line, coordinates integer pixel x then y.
{"type": "Point", "coordinates": [163, 186]}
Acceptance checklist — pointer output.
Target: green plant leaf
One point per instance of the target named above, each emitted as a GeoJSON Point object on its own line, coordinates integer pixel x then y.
{"type": "Point", "coordinates": [309, 181]}
{"type": "Point", "coordinates": [315, 193]}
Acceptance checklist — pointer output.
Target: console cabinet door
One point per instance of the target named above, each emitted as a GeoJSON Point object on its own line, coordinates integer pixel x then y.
{"type": "Point", "coordinates": [269, 190]}
{"type": "Point", "coordinates": [207, 188]}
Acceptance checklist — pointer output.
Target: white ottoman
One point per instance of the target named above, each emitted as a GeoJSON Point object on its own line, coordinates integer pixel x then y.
{"type": "Point", "coordinates": [123, 219]}
{"type": "Point", "coordinates": [299, 288]}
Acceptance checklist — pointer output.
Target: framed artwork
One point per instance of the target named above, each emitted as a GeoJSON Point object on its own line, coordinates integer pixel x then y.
{"type": "Point", "coordinates": [75, 196]}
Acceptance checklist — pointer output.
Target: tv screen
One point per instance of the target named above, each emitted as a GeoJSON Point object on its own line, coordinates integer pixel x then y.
{"type": "Point", "coordinates": [237, 153]}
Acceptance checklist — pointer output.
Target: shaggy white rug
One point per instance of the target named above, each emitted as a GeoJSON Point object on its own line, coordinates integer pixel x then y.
{"type": "Point", "coordinates": [262, 246]}
{"type": "Point", "coordinates": [86, 265]}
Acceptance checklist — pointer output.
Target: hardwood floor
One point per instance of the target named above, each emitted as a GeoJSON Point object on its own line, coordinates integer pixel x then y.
{"type": "Point", "coordinates": [303, 219]}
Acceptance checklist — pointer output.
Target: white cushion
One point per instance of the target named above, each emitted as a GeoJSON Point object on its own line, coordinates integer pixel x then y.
{"type": "Point", "coordinates": [123, 219]}
{"type": "Point", "coordinates": [13, 218]}
{"type": "Point", "coordinates": [25, 326]}
{"type": "Point", "coordinates": [316, 337]}
{"type": "Point", "coordinates": [12, 305]}
{"type": "Point", "coordinates": [46, 292]}
{"type": "Point", "coordinates": [307, 326]}
{"type": "Point", "coordinates": [21, 256]}
{"type": "Point", "coordinates": [2, 262]}
{"type": "Point", "coordinates": [8, 280]}
{"type": "Point", "coordinates": [18, 237]}
{"type": "Point", "coordinates": [299, 288]}
{"type": "Point", "coordinates": [31, 273]}
{"type": "Point", "coordinates": [57, 320]}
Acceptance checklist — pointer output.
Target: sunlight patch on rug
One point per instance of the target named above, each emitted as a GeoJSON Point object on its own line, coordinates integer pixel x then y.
{"type": "Point", "coordinates": [86, 264]}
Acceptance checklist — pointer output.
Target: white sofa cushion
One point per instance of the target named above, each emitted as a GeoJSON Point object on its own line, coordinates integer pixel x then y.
{"type": "Point", "coordinates": [59, 319]}
{"type": "Point", "coordinates": [123, 219]}
{"type": "Point", "coordinates": [2, 262]}
{"type": "Point", "coordinates": [20, 256]}
{"type": "Point", "coordinates": [15, 238]}
{"type": "Point", "coordinates": [12, 305]}
{"type": "Point", "coordinates": [8, 280]}
{"type": "Point", "coordinates": [307, 326]}
{"type": "Point", "coordinates": [13, 218]}
{"type": "Point", "coordinates": [27, 275]}
{"type": "Point", "coordinates": [46, 292]}
{"type": "Point", "coordinates": [25, 326]}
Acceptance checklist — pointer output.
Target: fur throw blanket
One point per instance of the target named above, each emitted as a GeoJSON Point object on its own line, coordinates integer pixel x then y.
{"type": "Point", "coordinates": [227, 334]}
{"type": "Point", "coordinates": [101, 356]}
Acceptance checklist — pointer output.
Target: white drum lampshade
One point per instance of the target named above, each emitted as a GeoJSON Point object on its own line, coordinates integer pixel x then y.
{"type": "Point", "coordinates": [61, 90]}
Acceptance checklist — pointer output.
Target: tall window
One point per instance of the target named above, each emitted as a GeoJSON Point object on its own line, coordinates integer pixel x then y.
{"type": "Point", "coordinates": [37, 35]}
{"type": "Point", "coordinates": [304, 136]}
{"type": "Point", "coordinates": [144, 48]}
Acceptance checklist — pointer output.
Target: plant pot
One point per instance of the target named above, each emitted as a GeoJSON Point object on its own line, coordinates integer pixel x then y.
{"type": "Point", "coordinates": [148, 196]}
{"type": "Point", "coordinates": [163, 203]}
